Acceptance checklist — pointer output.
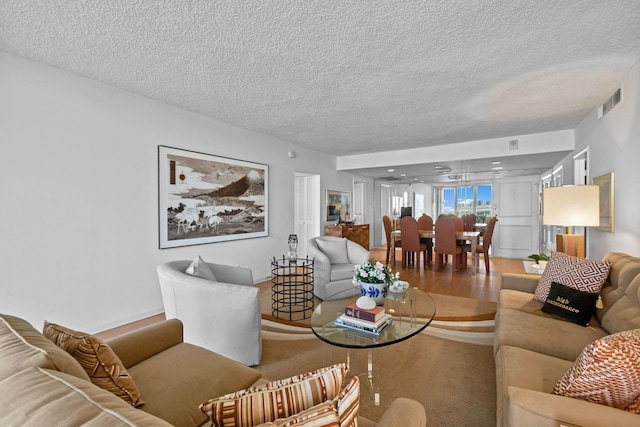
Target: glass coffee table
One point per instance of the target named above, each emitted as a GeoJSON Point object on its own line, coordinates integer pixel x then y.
{"type": "Point", "coordinates": [411, 310]}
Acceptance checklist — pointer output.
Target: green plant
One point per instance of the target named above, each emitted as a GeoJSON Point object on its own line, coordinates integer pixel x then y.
{"type": "Point", "coordinates": [538, 257]}
{"type": "Point", "coordinates": [373, 271]}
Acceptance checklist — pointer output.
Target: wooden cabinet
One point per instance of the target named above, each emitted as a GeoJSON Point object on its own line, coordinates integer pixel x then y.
{"type": "Point", "coordinates": [356, 233]}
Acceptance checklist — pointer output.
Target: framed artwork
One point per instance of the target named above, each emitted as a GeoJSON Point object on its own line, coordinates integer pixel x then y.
{"type": "Point", "coordinates": [206, 199]}
{"type": "Point", "coordinates": [338, 205]}
{"type": "Point", "coordinates": [607, 202]}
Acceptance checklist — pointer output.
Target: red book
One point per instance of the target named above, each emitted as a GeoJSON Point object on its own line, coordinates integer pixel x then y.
{"type": "Point", "coordinates": [371, 315]}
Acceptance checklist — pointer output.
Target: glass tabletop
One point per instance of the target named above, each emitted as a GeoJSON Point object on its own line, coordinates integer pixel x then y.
{"type": "Point", "coordinates": [412, 311]}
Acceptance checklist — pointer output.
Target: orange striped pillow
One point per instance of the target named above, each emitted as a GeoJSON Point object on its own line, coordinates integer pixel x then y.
{"type": "Point", "coordinates": [606, 372]}
{"type": "Point", "coordinates": [104, 367]}
{"type": "Point", "coordinates": [322, 415]}
{"type": "Point", "coordinates": [349, 403]}
{"type": "Point", "coordinates": [277, 399]}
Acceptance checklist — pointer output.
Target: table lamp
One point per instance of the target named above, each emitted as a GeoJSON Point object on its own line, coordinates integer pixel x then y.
{"type": "Point", "coordinates": [571, 206]}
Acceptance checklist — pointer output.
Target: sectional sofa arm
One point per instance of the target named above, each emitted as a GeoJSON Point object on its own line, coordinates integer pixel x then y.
{"type": "Point", "coordinates": [403, 412]}
{"type": "Point", "coordinates": [538, 409]}
{"type": "Point", "coordinates": [141, 344]}
{"type": "Point", "coordinates": [520, 282]}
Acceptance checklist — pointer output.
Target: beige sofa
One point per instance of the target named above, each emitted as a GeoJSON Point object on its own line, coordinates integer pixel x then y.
{"type": "Point", "coordinates": [41, 384]}
{"type": "Point", "coordinates": [533, 350]}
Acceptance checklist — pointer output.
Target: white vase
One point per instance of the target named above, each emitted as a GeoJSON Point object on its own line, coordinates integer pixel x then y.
{"type": "Point", "coordinates": [377, 291]}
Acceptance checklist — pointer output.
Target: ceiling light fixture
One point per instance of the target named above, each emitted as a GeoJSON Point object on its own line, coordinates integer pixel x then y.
{"type": "Point", "coordinates": [391, 170]}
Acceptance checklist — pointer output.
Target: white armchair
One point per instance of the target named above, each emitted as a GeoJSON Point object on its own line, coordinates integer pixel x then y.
{"type": "Point", "coordinates": [334, 260]}
{"type": "Point", "coordinates": [222, 316]}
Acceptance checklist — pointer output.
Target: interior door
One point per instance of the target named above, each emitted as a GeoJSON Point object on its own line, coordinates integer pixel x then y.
{"type": "Point", "coordinates": [307, 207]}
{"type": "Point", "coordinates": [517, 205]}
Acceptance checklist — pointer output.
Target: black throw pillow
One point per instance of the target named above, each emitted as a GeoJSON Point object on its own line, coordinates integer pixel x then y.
{"type": "Point", "coordinates": [570, 304]}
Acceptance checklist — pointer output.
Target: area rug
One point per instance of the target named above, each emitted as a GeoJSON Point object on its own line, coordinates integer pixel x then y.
{"type": "Point", "coordinates": [454, 380]}
{"type": "Point", "coordinates": [461, 319]}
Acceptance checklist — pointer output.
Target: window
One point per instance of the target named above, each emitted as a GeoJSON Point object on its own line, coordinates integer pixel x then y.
{"type": "Point", "coordinates": [476, 199]}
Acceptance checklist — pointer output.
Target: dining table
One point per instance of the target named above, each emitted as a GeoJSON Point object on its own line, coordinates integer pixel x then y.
{"type": "Point", "coordinates": [472, 237]}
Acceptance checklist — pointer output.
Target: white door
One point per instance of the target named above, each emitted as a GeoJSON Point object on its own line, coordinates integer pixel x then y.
{"type": "Point", "coordinates": [517, 205]}
{"type": "Point", "coordinates": [358, 202]}
{"type": "Point", "coordinates": [307, 210]}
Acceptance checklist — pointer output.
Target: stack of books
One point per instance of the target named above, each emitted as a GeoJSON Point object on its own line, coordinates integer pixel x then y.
{"type": "Point", "coordinates": [373, 321]}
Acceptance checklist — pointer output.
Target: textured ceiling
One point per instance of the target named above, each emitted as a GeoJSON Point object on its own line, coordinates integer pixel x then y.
{"type": "Point", "coordinates": [346, 77]}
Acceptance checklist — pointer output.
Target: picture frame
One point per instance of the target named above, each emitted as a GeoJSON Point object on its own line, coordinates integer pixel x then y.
{"type": "Point", "coordinates": [338, 205]}
{"type": "Point", "coordinates": [607, 201]}
{"type": "Point", "coordinates": [203, 198]}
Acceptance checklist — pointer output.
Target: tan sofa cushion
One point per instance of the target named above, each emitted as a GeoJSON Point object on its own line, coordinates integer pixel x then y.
{"type": "Point", "coordinates": [190, 375]}
{"type": "Point", "coordinates": [517, 367]}
{"type": "Point", "coordinates": [98, 360]}
{"type": "Point", "coordinates": [41, 397]}
{"type": "Point", "coordinates": [543, 333]}
{"type": "Point", "coordinates": [23, 346]}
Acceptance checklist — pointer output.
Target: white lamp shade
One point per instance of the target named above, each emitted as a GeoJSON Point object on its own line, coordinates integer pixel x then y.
{"type": "Point", "coordinates": [572, 206]}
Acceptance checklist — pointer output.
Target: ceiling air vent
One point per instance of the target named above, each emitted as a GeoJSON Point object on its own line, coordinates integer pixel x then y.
{"type": "Point", "coordinates": [610, 103]}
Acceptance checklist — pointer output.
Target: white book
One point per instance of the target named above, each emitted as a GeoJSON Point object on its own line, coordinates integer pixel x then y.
{"type": "Point", "coordinates": [363, 325]}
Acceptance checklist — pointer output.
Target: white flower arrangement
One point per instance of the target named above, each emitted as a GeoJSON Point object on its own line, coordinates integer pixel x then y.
{"type": "Point", "coordinates": [374, 272]}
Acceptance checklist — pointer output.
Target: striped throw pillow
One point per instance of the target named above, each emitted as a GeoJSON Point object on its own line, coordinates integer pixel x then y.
{"type": "Point", "coordinates": [349, 403]}
{"type": "Point", "coordinates": [322, 415]}
{"type": "Point", "coordinates": [104, 367]}
{"type": "Point", "coordinates": [606, 372]}
{"type": "Point", "coordinates": [277, 399]}
{"type": "Point", "coordinates": [576, 273]}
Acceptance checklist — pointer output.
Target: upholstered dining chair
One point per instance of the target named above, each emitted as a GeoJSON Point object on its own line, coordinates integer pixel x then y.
{"type": "Point", "coordinates": [483, 248]}
{"type": "Point", "coordinates": [469, 222]}
{"type": "Point", "coordinates": [411, 245]}
{"type": "Point", "coordinates": [446, 243]}
{"type": "Point", "coordinates": [386, 221]}
{"type": "Point", "coordinates": [425, 222]}
{"type": "Point", "coordinates": [464, 246]}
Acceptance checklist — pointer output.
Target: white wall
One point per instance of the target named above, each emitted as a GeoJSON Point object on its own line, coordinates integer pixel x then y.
{"type": "Point", "coordinates": [78, 184]}
{"type": "Point", "coordinates": [614, 146]}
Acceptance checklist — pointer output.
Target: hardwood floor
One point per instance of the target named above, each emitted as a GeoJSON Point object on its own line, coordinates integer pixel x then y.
{"type": "Point", "coordinates": [465, 284]}
{"type": "Point", "coordinates": [462, 284]}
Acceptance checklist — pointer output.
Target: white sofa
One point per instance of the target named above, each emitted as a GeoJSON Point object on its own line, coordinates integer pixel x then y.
{"type": "Point", "coordinates": [222, 316]}
{"type": "Point", "coordinates": [334, 260]}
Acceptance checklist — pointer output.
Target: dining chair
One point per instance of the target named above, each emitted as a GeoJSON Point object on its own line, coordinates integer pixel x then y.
{"type": "Point", "coordinates": [446, 242]}
{"type": "Point", "coordinates": [425, 222]}
{"type": "Point", "coordinates": [483, 248]}
{"type": "Point", "coordinates": [411, 245]}
{"type": "Point", "coordinates": [388, 228]}
{"type": "Point", "coordinates": [469, 222]}
{"type": "Point", "coordinates": [464, 246]}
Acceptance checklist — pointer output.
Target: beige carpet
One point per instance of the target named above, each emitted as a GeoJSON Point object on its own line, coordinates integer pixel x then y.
{"type": "Point", "coordinates": [449, 368]}
{"type": "Point", "coordinates": [461, 319]}
{"type": "Point", "coordinates": [455, 381]}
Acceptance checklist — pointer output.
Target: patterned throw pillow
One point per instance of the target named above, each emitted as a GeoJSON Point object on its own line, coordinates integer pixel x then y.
{"type": "Point", "coordinates": [277, 399]}
{"type": "Point", "coordinates": [349, 403]}
{"type": "Point", "coordinates": [576, 273]}
{"type": "Point", "coordinates": [570, 304]}
{"type": "Point", "coordinates": [322, 415]}
{"type": "Point", "coordinates": [199, 268]}
{"type": "Point", "coordinates": [104, 367]}
{"type": "Point", "coordinates": [606, 372]}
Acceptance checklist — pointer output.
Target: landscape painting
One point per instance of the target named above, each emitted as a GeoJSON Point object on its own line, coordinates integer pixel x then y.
{"type": "Point", "coordinates": [205, 198]}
